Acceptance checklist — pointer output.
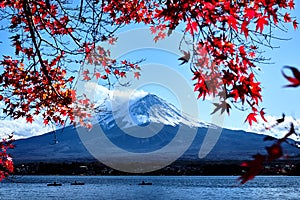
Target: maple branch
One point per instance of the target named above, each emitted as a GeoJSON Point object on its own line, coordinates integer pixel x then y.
{"type": "Point", "coordinates": [28, 16]}
{"type": "Point", "coordinates": [30, 26]}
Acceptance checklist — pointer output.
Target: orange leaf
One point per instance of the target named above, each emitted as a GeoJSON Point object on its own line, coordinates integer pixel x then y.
{"type": "Point", "coordinates": [137, 75]}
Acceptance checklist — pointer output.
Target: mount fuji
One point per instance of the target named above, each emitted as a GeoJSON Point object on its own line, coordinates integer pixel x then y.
{"type": "Point", "coordinates": [145, 110]}
{"type": "Point", "coordinates": [145, 125]}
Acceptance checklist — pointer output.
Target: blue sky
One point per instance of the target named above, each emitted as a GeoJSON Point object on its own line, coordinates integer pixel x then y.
{"type": "Point", "coordinates": [276, 99]}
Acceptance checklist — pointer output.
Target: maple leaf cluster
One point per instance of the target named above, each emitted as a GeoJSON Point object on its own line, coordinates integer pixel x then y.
{"type": "Point", "coordinates": [30, 93]}
{"type": "Point", "coordinates": [110, 67]}
{"type": "Point", "coordinates": [275, 151]}
{"type": "Point", "coordinates": [226, 37]}
{"type": "Point", "coordinates": [49, 39]}
{"type": "Point", "coordinates": [6, 163]}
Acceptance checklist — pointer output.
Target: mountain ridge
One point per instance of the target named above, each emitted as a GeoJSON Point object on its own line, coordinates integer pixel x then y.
{"type": "Point", "coordinates": [154, 119]}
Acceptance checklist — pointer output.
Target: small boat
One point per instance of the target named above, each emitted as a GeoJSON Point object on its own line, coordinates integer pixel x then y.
{"type": "Point", "coordinates": [54, 184]}
{"type": "Point", "coordinates": [145, 183]}
{"type": "Point", "coordinates": [77, 183]}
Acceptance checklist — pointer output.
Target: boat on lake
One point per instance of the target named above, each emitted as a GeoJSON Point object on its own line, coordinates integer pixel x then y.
{"type": "Point", "coordinates": [77, 183]}
{"type": "Point", "coordinates": [145, 183]}
{"type": "Point", "coordinates": [54, 184]}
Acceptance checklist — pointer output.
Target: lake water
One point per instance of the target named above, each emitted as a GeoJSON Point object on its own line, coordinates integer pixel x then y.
{"type": "Point", "coordinates": [163, 188]}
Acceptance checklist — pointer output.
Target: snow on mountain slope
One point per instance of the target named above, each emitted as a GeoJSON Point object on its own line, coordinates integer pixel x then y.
{"type": "Point", "coordinates": [144, 111]}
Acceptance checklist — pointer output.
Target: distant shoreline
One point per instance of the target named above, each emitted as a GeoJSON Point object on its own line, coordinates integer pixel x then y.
{"type": "Point", "coordinates": [179, 168]}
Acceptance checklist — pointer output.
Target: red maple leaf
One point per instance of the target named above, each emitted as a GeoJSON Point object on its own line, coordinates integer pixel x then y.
{"type": "Point", "coordinates": [112, 40]}
{"type": "Point", "coordinates": [287, 17]}
{"type": "Point", "coordinates": [295, 24]}
{"type": "Point", "coordinates": [104, 77]}
{"type": "Point", "coordinates": [161, 35]}
{"type": "Point", "coordinates": [295, 81]}
{"type": "Point", "coordinates": [274, 151]}
{"type": "Point", "coordinates": [261, 22]}
{"type": "Point", "coordinates": [123, 74]}
{"type": "Point", "coordinates": [232, 22]}
{"type": "Point", "coordinates": [104, 63]}
{"type": "Point", "coordinates": [251, 118]}
{"type": "Point", "coordinates": [137, 75]}
{"type": "Point", "coordinates": [291, 4]}
{"type": "Point", "coordinates": [97, 75]}
{"type": "Point", "coordinates": [262, 114]}
{"type": "Point", "coordinates": [244, 28]}
{"type": "Point", "coordinates": [153, 29]}
{"type": "Point", "coordinates": [107, 71]}
{"type": "Point", "coordinates": [156, 38]}
{"type": "Point", "coordinates": [249, 13]}
{"type": "Point", "coordinates": [86, 78]}
{"type": "Point", "coordinates": [252, 54]}
{"type": "Point", "coordinates": [254, 167]}
{"type": "Point", "coordinates": [29, 119]}
{"type": "Point", "coordinates": [192, 27]}
{"type": "Point", "coordinates": [185, 58]}
{"type": "Point", "coordinates": [46, 121]}
{"type": "Point", "coordinates": [116, 72]}
{"type": "Point", "coordinates": [85, 72]}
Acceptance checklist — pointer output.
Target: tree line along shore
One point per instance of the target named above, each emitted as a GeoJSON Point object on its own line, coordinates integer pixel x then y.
{"type": "Point", "coordinates": [281, 167]}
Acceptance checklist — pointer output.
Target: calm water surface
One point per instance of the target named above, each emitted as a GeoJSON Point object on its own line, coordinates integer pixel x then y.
{"type": "Point", "coordinates": [164, 187]}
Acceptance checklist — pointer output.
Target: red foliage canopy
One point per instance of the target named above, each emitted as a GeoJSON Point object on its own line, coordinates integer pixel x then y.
{"type": "Point", "coordinates": [6, 163]}
{"type": "Point", "coordinates": [226, 37]}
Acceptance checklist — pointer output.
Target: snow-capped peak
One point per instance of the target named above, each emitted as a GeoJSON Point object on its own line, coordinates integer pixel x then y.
{"type": "Point", "coordinates": [145, 110]}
